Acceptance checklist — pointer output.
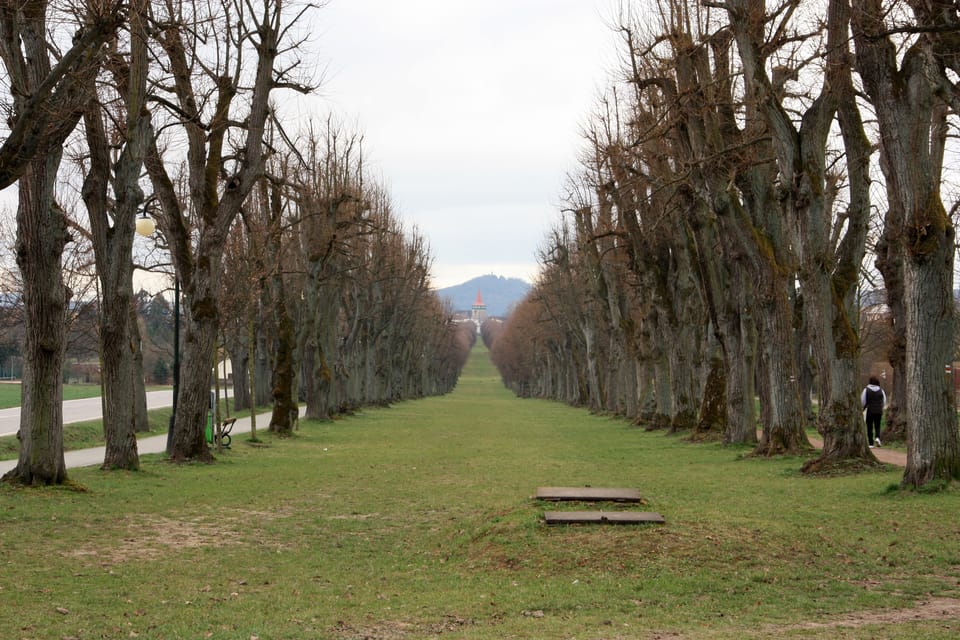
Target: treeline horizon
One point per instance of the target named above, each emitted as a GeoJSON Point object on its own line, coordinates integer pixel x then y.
{"type": "Point", "coordinates": [287, 254]}
{"type": "Point", "coordinates": [714, 239]}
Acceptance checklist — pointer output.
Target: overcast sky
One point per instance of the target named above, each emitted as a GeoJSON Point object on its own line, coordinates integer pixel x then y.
{"type": "Point", "coordinates": [471, 114]}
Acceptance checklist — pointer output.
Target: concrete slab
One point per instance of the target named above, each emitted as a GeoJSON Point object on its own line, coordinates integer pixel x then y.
{"type": "Point", "coordinates": [588, 494]}
{"type": "Point", "coordinates": [602, 517]}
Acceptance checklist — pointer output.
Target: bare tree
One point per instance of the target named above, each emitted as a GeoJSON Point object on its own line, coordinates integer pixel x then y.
{"type": "Point", "coordinates": [47, 94]}
{"type": "Point", "coordinates": [224, 160]}
{"type": "Point", "coordinates": [48, 100]}
{"type": "Point", "coordinates": [331, 212]}
{"type": "Point", "coordinates": [831, 247]}
{"type": "Point", "coordinates": [911, 94]}
{"type": "Point", "coordinates": [728, 153]}
{"type": "Point", "coordinates": [112, 229]}
{"type": "Point", "coordinates": [283, 385]}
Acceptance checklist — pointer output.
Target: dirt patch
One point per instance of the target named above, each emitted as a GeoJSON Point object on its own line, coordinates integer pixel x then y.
{"type": "Point", "coordinates": [929, 610]}
{"type": "Point", "coordinates": [152, 538]}
{"type": "Point", "coordinates": [378, 631]}
{"type": "Point", "coordinates": [888, 456]}
{"type": "Point", "coordinates": [838, 468]}
{"type": "Point", "coordinates": [354, 516]}
{"type": "Point", "coordinates": [397, 630]}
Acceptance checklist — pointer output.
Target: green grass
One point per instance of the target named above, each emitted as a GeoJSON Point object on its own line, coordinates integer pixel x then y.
{"type": "Point", "coordinates": [10, 393]}
{"type": "Point", "coordinates": [416, 521]}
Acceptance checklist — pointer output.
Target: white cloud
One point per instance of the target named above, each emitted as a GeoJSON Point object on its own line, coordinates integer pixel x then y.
{"type": "Point", "coordinates": [471, 112]}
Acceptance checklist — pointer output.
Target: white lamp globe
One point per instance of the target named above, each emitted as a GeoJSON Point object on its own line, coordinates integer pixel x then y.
{"type": "Point", "coordinates": [145, 225]}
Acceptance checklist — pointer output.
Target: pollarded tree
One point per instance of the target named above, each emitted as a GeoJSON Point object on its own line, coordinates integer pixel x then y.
{"type": "Point", "coordinates": [639, 185]}
{"type": "Point", "coordinates": [215, 101]}
{"type": "Point", "coordinates": [559, 294]}
{"type": "Point", "coordinates": [273, 206]}
{"type": "Point", "coordinates": [48, 97]}
{"type": "Point", "coordinates": [684, 141]}
{"type": "Point", "coordinates": [331, 211]}
{"type": "Point", "coordinates": [116, 118]}
{"type": "Point", "coordinates": [727, 152]}
{"type": "Point", "coordinates": [911, 93]}
{"type": "Point", "coordinates": [831, 246]}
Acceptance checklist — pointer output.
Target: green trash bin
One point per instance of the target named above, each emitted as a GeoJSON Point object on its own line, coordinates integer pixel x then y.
{"type": "Point", "coordinates": [208, 432]}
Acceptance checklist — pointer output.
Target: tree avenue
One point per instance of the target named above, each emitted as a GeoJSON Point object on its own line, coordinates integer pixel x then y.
{"type": "Point", "coordinates": [274, 247]}
{"type": "Point", "coordinates": [714, 250]}
{"type": "Point", "coordinates": [717, 233]}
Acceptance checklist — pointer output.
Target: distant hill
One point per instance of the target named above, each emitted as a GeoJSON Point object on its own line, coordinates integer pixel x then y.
{"type": "Point", "coordinates": [499, 293]}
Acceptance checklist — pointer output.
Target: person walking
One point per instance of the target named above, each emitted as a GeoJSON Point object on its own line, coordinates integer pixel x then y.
{"type": "Point", "coordinates": [873, 400]}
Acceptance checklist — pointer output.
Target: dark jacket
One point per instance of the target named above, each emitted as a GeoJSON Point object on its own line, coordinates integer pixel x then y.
{"type": "Point", "coordinates": [873, 399]}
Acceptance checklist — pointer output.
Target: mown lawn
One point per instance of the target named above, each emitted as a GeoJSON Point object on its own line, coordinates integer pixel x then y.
{"type": "Point", "coordinates": [10, 393]}
{"type": "Point", "coordinates": [416, 521]}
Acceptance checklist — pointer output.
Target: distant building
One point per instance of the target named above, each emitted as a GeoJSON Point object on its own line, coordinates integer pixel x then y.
{"type": "Point", "coordinates": [875, 312]}
{"type": "Point", "coordinates": [478, 312]}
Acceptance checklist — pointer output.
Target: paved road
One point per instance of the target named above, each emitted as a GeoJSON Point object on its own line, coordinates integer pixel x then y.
{"type": "Point", "coordinates": [153, 444]}
{"type": "Point", "coordinates": [79, 410]}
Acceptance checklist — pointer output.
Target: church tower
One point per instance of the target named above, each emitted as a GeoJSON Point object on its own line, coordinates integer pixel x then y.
{"type": "Point", "coordinates": [478, 312]}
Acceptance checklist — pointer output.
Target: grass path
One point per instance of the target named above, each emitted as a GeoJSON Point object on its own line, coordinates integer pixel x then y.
{"type": "Point", "coordinates": [416, 522]}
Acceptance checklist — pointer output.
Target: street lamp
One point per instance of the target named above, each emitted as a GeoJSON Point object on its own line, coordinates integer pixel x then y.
{"type": "Point", "coordinates": [145, 227]}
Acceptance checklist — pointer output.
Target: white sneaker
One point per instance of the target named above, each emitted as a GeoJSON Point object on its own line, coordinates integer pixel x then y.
{"type": "Point", "coordinates": [877, 440]}
{"type": "Point", "coordinates": [870, 445]}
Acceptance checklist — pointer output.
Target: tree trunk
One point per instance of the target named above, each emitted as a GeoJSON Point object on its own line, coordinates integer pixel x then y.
{"type": "Point", "coordinates": [141, 419]}
{"type": "Point", "coordinates": [683, 400]}
{"type": "Point", "coordinates": [803, 347]}
{"type": "Point", "coordinates": [662, 398]}
{"type": "Point", "coordinates": [782, 420]}
{"type": "Point", "coordinates": [284, 404]}
{"type": "Point", "coordinates": [320, 340]}
{"type": "Point", "coordinates": [727, 298]}
{"type": "Point", "coordinates": [41, 237]}
{"type": "Point", "coordinates": [890, 265]}
{"type": "Point", "coordinates": [252, 374]}
{"type": "Point", "coordinates": [200, 337]}
{"type": "Point", "coordinates": [840, 420]}
{"type": "Point", "coordinates": [712, 419]}
{"type": "Point", "coordinates": [686, 318]}
{"type": "Point", "coordinates": [241, 381]}
{"type": "Point", "coordinates": [933, 451]}
{"type": "Point", "coordinates": [741, 357]}
{"type": "Point", "coordinates": [588, 333]}
{"type": "Point", "coordinates": [906, 92]}
{"type": "Point", "coordinates": [116, 354]}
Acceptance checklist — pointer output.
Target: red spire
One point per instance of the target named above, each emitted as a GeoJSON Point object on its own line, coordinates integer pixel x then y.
{"type": "Point", "coordinates": [479, 302]}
